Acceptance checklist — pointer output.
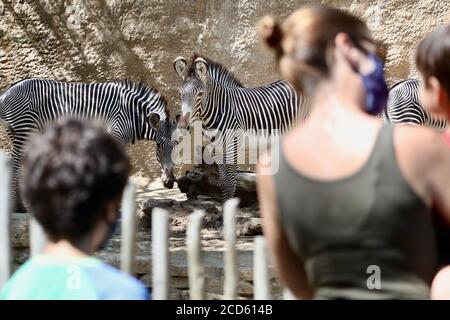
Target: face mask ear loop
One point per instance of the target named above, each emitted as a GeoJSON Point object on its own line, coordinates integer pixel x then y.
{"type": "Point", "coordinates": [356, 43]}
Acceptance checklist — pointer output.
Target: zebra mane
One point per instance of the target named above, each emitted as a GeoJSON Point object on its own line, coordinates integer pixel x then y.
{"type": "Point", "coordinates": [217, 71]}
{"type": "Point", "coordinates": [141, 88]}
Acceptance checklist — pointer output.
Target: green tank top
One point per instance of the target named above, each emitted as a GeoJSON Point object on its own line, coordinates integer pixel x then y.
{"type": "Point", "coordinates": [366, 236]}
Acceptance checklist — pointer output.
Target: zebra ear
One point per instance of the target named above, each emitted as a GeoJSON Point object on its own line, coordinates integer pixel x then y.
{"type": "Point", "coordinates": [154, 120]}
{"type": "Point", "coordinates": [180, 66]}
{"type": "Point", "coordinates": [201, 68]}
{"type": "Point", "coordinates": [177, 118]}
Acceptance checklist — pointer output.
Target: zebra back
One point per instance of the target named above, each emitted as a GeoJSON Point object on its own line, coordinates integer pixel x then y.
{"type": "Point", "coordinates": [276, 106]}
{"type": "Point", "coordinates": [404, 106]}
{"type": "Point", "coordinates": [123, 105]}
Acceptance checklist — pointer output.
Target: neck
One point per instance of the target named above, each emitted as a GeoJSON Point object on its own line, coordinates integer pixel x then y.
{"type": "Point", "coordinates": [210, 109]}
{"type": "Point", "coordinates": [65, 248]}
{"type": "Point", "coordinates": [157, 137]}
{"type": "Point", "coordinates": [332, 98]}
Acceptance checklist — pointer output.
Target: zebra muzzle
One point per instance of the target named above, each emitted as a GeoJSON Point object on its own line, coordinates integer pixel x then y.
{"type": "Point", "coordinates": [194, 176]}
{"type": "Point", "coordinates": [184, 121]}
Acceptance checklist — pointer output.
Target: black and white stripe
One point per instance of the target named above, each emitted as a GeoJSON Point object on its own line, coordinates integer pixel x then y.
{"type": "Point", "coordinates": [404, 106]}
{"type": "Point", "coordinates": [212, 94]}
{"type": "Point", "coordinates": [130, 110]}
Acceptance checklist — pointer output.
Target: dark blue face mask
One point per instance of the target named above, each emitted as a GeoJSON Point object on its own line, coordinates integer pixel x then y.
{"type": "Point", "coordinates": [376, 87]}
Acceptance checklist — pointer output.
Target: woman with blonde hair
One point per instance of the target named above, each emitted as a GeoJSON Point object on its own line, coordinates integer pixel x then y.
{"type": "Point", "coordinates": [348, 213]}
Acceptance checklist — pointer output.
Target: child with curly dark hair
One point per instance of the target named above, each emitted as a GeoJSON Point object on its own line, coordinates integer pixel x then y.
{"type": "Point", "coordinates": [73, 177]}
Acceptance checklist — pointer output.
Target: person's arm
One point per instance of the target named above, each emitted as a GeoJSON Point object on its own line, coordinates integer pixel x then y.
{"type": "Point", "coordinates": [287, 263]}
{"type": "Point", "coordinates": [439, 178]}
{"type": "Point", "coordinates": [424, 161]}
{"type": "Point", "coordinates": [439, 185]}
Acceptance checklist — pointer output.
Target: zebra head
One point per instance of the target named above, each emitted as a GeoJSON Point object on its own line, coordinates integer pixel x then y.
{"type": "Point", "coordinates": [164, 146]}
{"type": "Point", "coordinates": [156, 125]}
{"type": "Point", "coordinates": [192, 89]}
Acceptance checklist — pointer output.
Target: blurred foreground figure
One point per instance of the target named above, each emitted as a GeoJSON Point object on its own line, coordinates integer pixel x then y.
{"type": "Point", "coordinates": [73, 177]}
{"type": "Point", "coordinates": [433, 62]}
{"type": "Point", "coordinates": [348, 214]}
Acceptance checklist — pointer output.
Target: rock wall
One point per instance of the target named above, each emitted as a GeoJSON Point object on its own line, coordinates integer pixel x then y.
{"type": "Point", "coordinates": [109, 39]}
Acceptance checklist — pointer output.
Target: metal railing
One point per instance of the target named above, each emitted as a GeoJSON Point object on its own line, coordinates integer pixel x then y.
{"type": "Point", "coordinates": [160, 246]}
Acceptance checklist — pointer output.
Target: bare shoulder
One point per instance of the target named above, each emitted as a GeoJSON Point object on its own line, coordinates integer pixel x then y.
{"type": "Point", "coordinates": [418, 134]}
{"type": "Point", "coordinates": [424, 144]}
{"type": "Point", "coordinates": [292, 136]}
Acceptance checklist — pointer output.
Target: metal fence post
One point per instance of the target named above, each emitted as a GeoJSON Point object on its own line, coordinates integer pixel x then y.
{"type": "Point", "coordinates": [128, 248]}
{"type": "Point", "coordinates": [230, 257]}
{"type": "Point", "coordinates": [261, 270]}
{"type": "Point", "coordinates": [196, 270]}
{"type": "Point", "coordinates": [160, 254]}
{"type": "Point", "coordinates": [38, 238]}
{"type": "Point", "coordinates": [5, 218]}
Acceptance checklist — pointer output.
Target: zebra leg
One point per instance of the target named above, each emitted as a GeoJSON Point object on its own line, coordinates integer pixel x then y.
{"type": "Point", "coordinates": [228, 178]}
{"type": "Point", "coordinates": [15, 189]}
{"type": "Point", "coordinates": [15, 166]}
{"type": "Point", "coordinates": [228, 169]}
{"type": "Point", "coordinates": [21, 135]}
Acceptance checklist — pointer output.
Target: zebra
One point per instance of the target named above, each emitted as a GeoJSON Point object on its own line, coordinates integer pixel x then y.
{"type": "Point", "coordinates": [212, 94]}
{"type": "Point", "coordinates": [130, 110]}
{"type": "Point", "coordinates": [403, 106]}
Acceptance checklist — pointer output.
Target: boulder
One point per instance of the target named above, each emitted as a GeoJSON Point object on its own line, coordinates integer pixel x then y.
{"type": "Point", "coordinates": [204, 180]}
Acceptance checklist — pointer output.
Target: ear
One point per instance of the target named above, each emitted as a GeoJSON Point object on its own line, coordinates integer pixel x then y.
{"type": "Point", "coordinates": [435, 86]}
{"type": "Point", "coordinates": [346, 49]}
{"type": "Point", "coordinates": [180, 66]}
{"type": "Point", "coordinates": [201, 68]}
{"type": "Point", "coordinates": [111, 211]}
{"type": "Point", "coordinates": [177, 118]}
{"type": "Point", "coordinates": [444, 98]}
{"type": "Point", "coordinates": [154, 120]}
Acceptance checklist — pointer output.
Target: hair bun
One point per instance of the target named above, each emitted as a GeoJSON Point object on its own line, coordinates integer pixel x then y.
{"type": "Point", "coordinates": [270, 31]}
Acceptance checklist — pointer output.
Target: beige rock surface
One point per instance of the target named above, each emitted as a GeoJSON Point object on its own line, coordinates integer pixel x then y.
{"type": "Point", "coordinates": [139, 39]}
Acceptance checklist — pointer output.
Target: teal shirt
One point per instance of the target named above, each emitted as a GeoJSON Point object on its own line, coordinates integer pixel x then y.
{"type": "Point", "coordinates": [47, 277]}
